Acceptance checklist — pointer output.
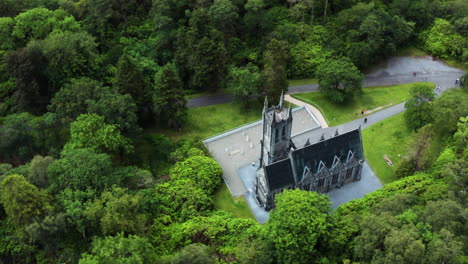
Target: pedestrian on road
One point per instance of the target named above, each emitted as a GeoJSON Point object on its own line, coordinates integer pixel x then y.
{"type": "Point", "coordinates": [414, 74]}
{"type": "Point", "coordinates": [457, 80]}
{"type": "Point", "coordinates": [365, 120]}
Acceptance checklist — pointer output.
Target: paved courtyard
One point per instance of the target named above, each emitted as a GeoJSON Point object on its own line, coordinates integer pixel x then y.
{"type": "Point", "coordinates": [240, 147]}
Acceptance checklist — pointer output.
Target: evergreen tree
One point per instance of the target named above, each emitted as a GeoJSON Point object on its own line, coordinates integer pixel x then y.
{"type": "Point", "coordinates": [168, 99]}
{"type": "Point", "coordinates": [130, 80]}
{"type": "Point", "coordinates": [274, 71]}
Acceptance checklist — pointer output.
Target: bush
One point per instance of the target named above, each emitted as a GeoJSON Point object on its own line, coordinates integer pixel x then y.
{"type": "Point", "coordinates": [405, 167]}
{"type": "Point", "coordinates": [205, 172]}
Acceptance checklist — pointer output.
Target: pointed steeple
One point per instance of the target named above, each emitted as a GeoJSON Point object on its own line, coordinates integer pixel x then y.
{"type": "Point", "coordinates": [336, 133]}
{"type": "Point", "coordinates": [265, 105]}
{"type": "Point", "coordinates": [322, 138]}
{"type": "Point", "coordinates": [307, 143]}
{"type": "Point", "coordinates": [281, 100]}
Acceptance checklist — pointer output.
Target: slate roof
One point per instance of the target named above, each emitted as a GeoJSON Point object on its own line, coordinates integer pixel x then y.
{"type": "Point", "coordinates": [326, 150]}
{"type": "Point", "coordinates": [279, 174]}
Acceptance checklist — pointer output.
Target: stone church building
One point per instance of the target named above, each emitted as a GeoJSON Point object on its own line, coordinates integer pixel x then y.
{"type": "Point", "coordinates": [316, 166]}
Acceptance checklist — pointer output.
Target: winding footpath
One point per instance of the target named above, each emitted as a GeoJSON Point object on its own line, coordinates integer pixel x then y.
{"type": "Point", "coordinates": [396, 70]}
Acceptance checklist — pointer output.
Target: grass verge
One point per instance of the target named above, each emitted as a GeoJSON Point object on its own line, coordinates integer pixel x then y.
{"type": "Point", "coordinates": [370, 99]}
{"type": "Point", "coordinates": [206, 93]}
{"type": "Point", "coordinates": [411, 51]}
{"type": "Point", "coordinates": [236, 206]}
{"type": "Point", "coordinates": [203, 122]}
{"type": "Point", "coordinates": [388, 137]}
{"type": "Point", "coordinates": [457, 64]}
{"type": "Point", "coordinates": [298, 82]}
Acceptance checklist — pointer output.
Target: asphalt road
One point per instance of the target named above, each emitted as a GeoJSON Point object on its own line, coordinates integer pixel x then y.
{"type": "Point", "coordinates": [396, 70]}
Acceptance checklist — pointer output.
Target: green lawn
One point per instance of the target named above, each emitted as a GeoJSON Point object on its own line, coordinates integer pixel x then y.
{"type": "Point", "coordinates": [192, 95]}
{"type": "Point", "coordinates": [203, 122]}
{"type": "Point", "coordinates": [298, 82]}
{"type": "Point", "coordinates": [236, 206]}
{"type": "Point", "coordinates": [411, 51]}
{"type": "Point", "coordinates": [388, 137]}
{"type": "Point", "coordinates": [371, 98]}
{"type": "Point", "coordinates": [457, 64]}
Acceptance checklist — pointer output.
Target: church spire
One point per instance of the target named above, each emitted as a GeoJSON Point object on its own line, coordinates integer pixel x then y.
{"type": "Point", "coordinates": [281, 100]}
{"type": "Point", "coordinates": [265, 105]}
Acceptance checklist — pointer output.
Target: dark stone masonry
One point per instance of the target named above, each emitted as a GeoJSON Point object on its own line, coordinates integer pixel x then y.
{"type": "Point", "coordinates": [316, 166]}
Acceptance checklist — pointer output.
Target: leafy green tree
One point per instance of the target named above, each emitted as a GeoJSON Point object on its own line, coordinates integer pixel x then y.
{"type": "Point", "coordinates": [168, 97]}
{"type": "Point", "coordinates": [244, 82]}
{"type": "Point", "coordinates": [298, 225]}
{"type": "Point", "coordinates": [274, 71]}
{"type": "Point", "coordinates": [419, 108]}
{"type": "Point", "coordinates": [255, 19]}
{"type": "Point", "coordinates": [448, 108]}
{"type": "Point", "coordinates": [6, 29]}
{"type": "Point", "coordinates": [38, 171]}
{"type": "Point", "coordinates": [17, 140]}
{"type": "Point", "coordinates": [130, 80]}
{"type": "Point", "coordinates": [68, 55]}
{"type": "Point", "coordinates": [116, 109]}
{"type": "Point", "coordinates": [201, 56]}
{"type": "Point", "coordinates": [367, 34]}
{"type": "Point", "coordinates": [48, 232]}
{"type": "Point", "coordinates": [404, 168]}
{"type": "Point", "coordinates": [224, 15]}
{"type": "Point", "coordinates": [220, 230]}
{"type": "Point", "coordinates": [180, 200]}
{"type": "Point", "coordinates": [308, 54]}
{"type": "Point", "coordinates": [193, 253]}
{"type": "Point", "coordinates": [421, 149]}
{"type": "Point", "coordinates": [464, 79]}
{"type": "Point", "coordinates": [446, 214]}
{"type": "Point", "coordinates": [84, 95]}
{"type": "Point", "coordinates": [27, 67]}
{"type": "Point", "coordinates": [120, 250]}
{"type": "Point", "coordinates": [422, 12]}
{"type": "Point", "coordinates": [443, 41]}
{"type": "Point", "coordinates": [302, 10]}
{"type": "Point", "coordinates": [402, 246]}
{"type": "Point", "coordinates": [444, 248]}
{"type": "Point", "coordinates": [38, 23]}
{"type": "Point", "coordinates": [74, 203]}
{"type": "Point", "coordinates": [339, 79]}
{"type": "Point", "coordinates": [118, 211]}
{"type": "Point", "coordinates": [23, 202]}
{"type": "Point", "coordinates": [80, 169]}
{"type": "Point", "coordinates": [455, 172]}
{"type": "Point", "coordinates": [374, 229]}
{"type": "Point", "coordinates": [461, 137]}
{"type": "Point", "coordinates": [91, 131]}
{"type": "Point", "coordinates": [205, 172]}
{"type": "Point", "coordinates": [134, 178]}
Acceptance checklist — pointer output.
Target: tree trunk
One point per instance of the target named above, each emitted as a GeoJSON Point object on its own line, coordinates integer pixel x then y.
{"type": "Point", "coordinates": [325, 12]}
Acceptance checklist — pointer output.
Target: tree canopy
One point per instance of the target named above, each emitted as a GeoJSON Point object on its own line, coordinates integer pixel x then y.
{"type": "Point", "coordinates": [339, 79]}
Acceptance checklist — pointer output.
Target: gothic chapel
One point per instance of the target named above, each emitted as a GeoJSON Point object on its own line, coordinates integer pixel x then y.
{"type": "Point", "coordinates": [320, 166]}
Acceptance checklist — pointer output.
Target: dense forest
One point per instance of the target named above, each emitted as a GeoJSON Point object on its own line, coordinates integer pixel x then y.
{"type": "Point", "coordinates": [81, 81]}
